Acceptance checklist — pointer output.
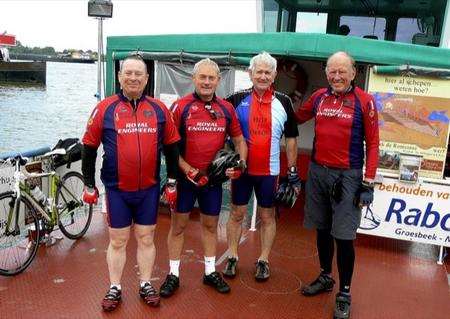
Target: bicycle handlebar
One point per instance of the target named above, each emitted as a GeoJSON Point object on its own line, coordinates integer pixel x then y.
{"type": "Point", "coordinates": [29, 153]}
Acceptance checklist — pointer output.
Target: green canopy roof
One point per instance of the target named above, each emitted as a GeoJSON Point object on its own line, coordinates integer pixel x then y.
{"type": "Point", "coordinates": [298, 45]}
{"type": "Point", "coordinates": [238, 48]}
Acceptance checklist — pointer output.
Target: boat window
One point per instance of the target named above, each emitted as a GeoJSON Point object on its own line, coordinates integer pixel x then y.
{"type": "Point", "coordinates": [284, 20]}
{"type": "Point", "coordinates": [270, 15]}
{"type": "Point", "coordinates": [406, 29]}
{"type": "Point", "coordinates": [311, 22]}
{"type": "Point", "coordinates": [366, 27]}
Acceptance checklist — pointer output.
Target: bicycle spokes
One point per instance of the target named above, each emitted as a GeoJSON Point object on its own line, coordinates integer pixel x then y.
{"type": "Point", "coordinates": [74, 215]}
{"type": "Point", "coordinates": [19, 234]}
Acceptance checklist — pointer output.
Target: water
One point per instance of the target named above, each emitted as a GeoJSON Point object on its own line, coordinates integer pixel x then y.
{"type": "Point", "coordinates": [38, 116]}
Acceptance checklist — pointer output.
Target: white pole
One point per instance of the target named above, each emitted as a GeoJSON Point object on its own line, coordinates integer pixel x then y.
{"type": "Point", "coordinates": [441, 256]}
{"type": "Point", "coordinates": [254, 209]}
{"type": "Point", "coordinates": [99, 59]}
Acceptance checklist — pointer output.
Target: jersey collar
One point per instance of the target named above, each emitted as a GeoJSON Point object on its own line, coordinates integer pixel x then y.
{"type": "Point", "coordinates": [267, 96]}
{"type": "Point", "coordinates": [125, 99]}
{"type": "Point", "coordinates": [197, 97]}
{"type": "Point", "coordinates": [331, 92]}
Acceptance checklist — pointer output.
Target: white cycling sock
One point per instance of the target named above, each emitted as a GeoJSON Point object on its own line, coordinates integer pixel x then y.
{"type": "Point", "coordinates": [210, 265]}
{"type": "Point", "coordinates": [118, 286]}
{"type": "Point", "coordinates": [174, 267]}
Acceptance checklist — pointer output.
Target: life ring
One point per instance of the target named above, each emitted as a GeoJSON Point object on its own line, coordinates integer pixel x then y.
{"type": "Point", "coordinates": [291, 79]}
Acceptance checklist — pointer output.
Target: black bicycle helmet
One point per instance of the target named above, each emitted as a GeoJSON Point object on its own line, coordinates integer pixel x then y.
{"type": "Point", "coordinates": [285, 195]}
{"type": "Point", "coordinates": [223, 160]}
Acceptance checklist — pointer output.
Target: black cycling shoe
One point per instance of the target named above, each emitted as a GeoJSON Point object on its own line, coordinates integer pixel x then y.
{"type": "Point", "coordinates": [342, 308]}
{"type": "Point", "coordinates": [323, 283]}
{"type": "Point", "coordinates": [149, 294]}
{"type": "Point", "coordinates": [215, 280]}
{"type": "Point", "coordinates": [169, 286]}
{"type": "Point", "coordinates": [230, 268]}
{"type": "Point", "coordinates": [262, 270]}
{"type": "Point", "coordinates": [112, 299]}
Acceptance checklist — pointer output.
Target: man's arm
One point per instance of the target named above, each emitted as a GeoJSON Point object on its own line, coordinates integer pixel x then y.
{"type": "Point", "coordinates": [306, 110]}
{"type": "Point", "coordinates": [172, 155]}
{"type": "Point", "coordinates": [88, 158]}
{"type": "Point", "coordinates": [291, 151]}
{"type": "Point", "coordinates": [183, 165]}
{"type": "Point", "coordinates": [91, 141]}
{"type": "Point", "coordinates": [372, 139]}
{"type": "Point", "coordinates": [241, 146]}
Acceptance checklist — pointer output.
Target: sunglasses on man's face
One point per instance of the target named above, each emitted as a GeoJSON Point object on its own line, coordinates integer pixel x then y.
{"type": "Point", "coordinates": [212, 113]}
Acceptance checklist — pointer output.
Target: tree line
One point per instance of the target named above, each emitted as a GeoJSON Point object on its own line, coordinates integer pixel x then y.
{"type": "Point", "coordinates": [21, 49]}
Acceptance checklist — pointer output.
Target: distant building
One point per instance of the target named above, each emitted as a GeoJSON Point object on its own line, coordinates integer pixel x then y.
{"type": "Point", "coordinates": [4, 54]}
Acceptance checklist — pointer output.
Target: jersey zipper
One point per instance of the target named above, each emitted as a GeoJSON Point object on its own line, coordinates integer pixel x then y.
{"type": "Point", "coordinates": [139, 144]}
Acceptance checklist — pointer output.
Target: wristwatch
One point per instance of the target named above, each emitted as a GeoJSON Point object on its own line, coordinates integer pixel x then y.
{"type": "Point", "coordinates": [368, 184]}
{"type": "Point", "coordinates": [171, 182]}
{"type": "Point", "coordinates": [292, 169]}
{"type": "Point", "coordinates": [242, 164]}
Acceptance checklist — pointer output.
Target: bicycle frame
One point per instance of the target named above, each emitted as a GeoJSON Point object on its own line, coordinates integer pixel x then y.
{"type": "Point", "coordinates": [28, 220]}
{"type": "Point", "coordinates": [20, 188]}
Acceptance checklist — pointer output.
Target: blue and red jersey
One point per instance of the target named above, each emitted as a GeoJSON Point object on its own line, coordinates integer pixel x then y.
{"type": "Point", "coordinates": [203, 130]}
{"type": "Point", "coordinates": [264, 120]}
{"type": "Point", "coordinates": [343, 123]}
{"type": "Point", "coordinates": [132, 140]}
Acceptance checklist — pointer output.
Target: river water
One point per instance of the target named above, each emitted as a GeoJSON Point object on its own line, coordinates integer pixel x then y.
{"type": "Point", "coordinates": [31, 117]}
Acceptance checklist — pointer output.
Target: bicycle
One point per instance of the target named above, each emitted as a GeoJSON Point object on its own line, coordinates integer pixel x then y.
{"type": "Point", "coordinates": [24, 220]}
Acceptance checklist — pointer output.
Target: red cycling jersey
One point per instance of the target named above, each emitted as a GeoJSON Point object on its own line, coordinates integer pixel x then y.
{"type": "Point", "coordinates": [203, 132]}
{"type": "Point", "coordinates": [343, 123]}
{"type": "Point", "coordinates": [264, 120]}
{"type": "Point", "coordinates": [132, 140]}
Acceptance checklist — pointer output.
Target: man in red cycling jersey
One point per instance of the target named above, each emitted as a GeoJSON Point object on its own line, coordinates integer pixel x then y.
{"type": "Point", "coordinates": [345, 118]}
{"type": "Point", "coordinates": [133, 129]}
{"type": "Point", "coordinates": [204, 121]}
{"type": "Point", "coordinates": [265, 116]}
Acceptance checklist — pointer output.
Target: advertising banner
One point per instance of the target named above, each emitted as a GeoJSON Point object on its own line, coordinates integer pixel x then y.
{"type": "Point", "coordinates": [414, 116]}
{"type": "Point", "coordinates": [416, 212]}
{"type": "Point", "coordinates": [7, 40]}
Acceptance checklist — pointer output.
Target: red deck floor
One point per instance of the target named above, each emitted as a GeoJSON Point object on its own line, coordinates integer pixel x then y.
{"type": "Point", "coordinates": [393, 279]}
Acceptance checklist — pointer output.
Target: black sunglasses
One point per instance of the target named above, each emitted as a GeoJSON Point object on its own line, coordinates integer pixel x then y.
{"type": "Point", "coordinates": [212, 113]}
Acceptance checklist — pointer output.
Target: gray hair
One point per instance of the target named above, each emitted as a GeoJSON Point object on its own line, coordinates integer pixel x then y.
{"type": "Point", "coordinates": [265, 58]}
{"type": "Point", "coordinates": [206, 61]}
{"type": "Point", "coordinates": [134, 56]}
{"type": "Point", "coordinates": [344, 55]}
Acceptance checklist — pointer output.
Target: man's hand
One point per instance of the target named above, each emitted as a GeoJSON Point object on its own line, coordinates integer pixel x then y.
{"type": "Point", "coordinates": [365, 194]}
{"type": "Point", "coordinates": [233, 172]}
{"type": "Point", "coordinates": [90, 195]}
{"type": "Point", "coordinates": [196, 177]}
{"type": "Point", "coordinates": [294, 179]}
{"type": "Point", "coordinates": [170, 193]}
{"type": "Point", "coordinates": [236, 172]}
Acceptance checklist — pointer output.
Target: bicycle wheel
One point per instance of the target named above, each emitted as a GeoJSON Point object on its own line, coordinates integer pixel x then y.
{"type": "Point", "coordinates": [74, 215]}
{"type": "Point", "coordinates": [19, 240]}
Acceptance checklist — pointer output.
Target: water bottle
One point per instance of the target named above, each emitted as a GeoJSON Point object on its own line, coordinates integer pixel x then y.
{"type": "Point", "coordinates": [39, 195]}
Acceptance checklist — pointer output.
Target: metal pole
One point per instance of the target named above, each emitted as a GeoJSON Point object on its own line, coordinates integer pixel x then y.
{"type": "Point", "coordinates": [441, 256]}
{"type": "Point", "coordinates": [254, 210]}
{"type": "Point", "coordinates": [99, 59]}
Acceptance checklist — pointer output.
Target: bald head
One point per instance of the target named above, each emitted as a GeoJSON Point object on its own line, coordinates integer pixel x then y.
{"type": "Point", "coordinates": [340, 71]}
{"type": "Point", "coordinates": [342, 57]}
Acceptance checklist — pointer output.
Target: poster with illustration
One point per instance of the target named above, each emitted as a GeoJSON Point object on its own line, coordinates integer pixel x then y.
{"type": "Point", "coordinates": [414, 116]}
{"type": "Point", "coordinates": [409, 168]}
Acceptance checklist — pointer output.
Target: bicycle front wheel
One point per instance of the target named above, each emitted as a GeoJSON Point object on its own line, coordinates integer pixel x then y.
{"type": "Point", "coordinates": [74, 215]}
{"type": "Point", "coordinates": [19, 234]}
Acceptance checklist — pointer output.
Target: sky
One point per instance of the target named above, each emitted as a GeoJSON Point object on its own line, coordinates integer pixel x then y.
{"type": "Point", "coordinates": [64, 24]}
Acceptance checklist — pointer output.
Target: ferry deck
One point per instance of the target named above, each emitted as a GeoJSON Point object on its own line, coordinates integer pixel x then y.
{"type": "Point", "coordinates": [393, 279]}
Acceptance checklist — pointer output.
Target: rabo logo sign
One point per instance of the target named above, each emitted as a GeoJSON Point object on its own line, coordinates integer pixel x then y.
{"type": "Point", "coordinates": [416, 212]}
